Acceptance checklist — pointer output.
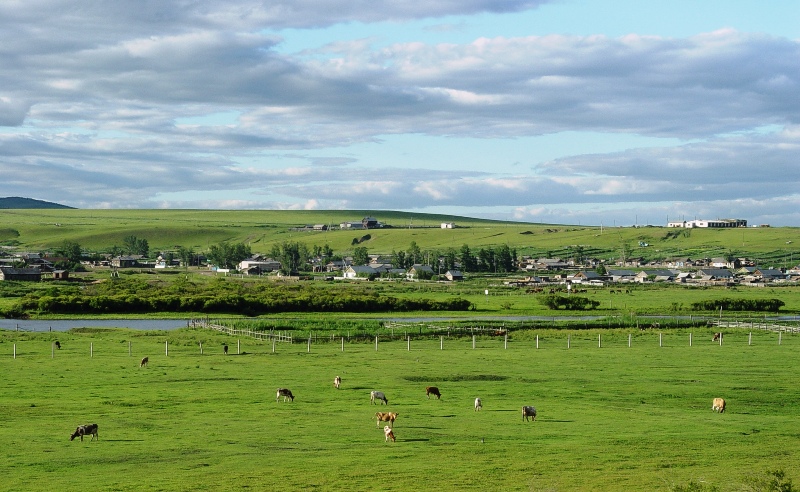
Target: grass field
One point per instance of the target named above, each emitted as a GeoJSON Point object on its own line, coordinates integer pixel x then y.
{"type": "Point", "coordinates": [99, 230]}
{"type": "Point", "coordinates": [610, 418]}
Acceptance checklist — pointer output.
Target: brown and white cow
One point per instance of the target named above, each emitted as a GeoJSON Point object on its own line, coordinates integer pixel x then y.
{"type": "Point", "coordinates": [387, 431]}
{"type": "Point", "coordinates": [337, 381]}
{"type": "Point", "coordinates": [718, 405]}
{"type": "Point", "coordinates": [385, 417]}
{"type": "Point", "coordinates": [432, 390]}
{"type": "Point", "coordinates": [528, 412]}
{"type": "Point", "coordinates": [85, 430]}
{"type": "Point", "coordinates": [717, 336]}
{"type": "Point", "coordinates": [285, 393]}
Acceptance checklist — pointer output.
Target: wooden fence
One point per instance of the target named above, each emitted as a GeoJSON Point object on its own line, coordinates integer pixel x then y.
{"type": "Point", "coordinates": [258, 335]}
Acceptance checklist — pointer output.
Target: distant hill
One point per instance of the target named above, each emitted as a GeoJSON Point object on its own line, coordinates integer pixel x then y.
{"type": "Point", "coordinates": [19, 202]}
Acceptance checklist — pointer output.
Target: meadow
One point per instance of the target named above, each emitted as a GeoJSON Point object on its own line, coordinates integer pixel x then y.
{"type": "Point", "coordinates": [99, 230]}
{"type": "Point", "coordinates": [611, 417]}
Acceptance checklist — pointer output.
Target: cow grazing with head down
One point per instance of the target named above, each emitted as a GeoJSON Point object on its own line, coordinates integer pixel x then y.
{"type": "Point", "coordinates": [718, 405]}
{"type": "Point", "coordinates": [478, 404]}
{"type": "Point", "coordinates": [337, 381]}
{"type": "Point", "coordinates": [378, 395]}
{"type": "Point", "coordinates": [144, 362]}
{"type": "Point", "coordinates": [225, 350]}
{"type": "Point", "coordinates": [717, 336]}
{"type": "Point", "coordinates": [385, 417]}
{"type": "Point", "coordinates": [85, 430]}
{"type": "Point", "coordinates": [432, 390]}
{"type": "Point", "coordinates": [58, 345]}
{"type": "Point", "coordinates": [387, 431]}
{"type": "Point", "coordinates": [528, 412]}
{"type": "Point", "coordinates": [285, 393]}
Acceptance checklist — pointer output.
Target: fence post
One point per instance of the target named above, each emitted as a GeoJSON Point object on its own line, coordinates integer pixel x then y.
{"type": "Point", "coordinates": [629, 340]}
{"type": "Point", "coordinates": [780, 336]}
{"type": "Point", "coordinates": [129, 348]}
{"type": "Point", "coordinates": [473, 341]}
{"type": "Point", "coordinates": [750, 338]}
{"type": "Point", "coordinates": [568, 340]}
{"type": "Point", "coordinates": [91, 349]}
{"type": "Point", "coordinates": [598, 340]}
{"type": "Point", "coordinates": [53, 350]}
{"type": "Point", "coordinates": [273, 345]}
{"type": "Point", "coordinates": [408, 343]}
{"type": "Point", "coordinates": [660, 344]}
{"type": "Point", "coordinates": [720, 339]}
{"type": "Point", "coordinates": [15, 351]}
{"type": "Point", "coordinates": [537, 341]}
{"type": "Point", "coordinates": [441, 342]}
{"type": "Point", "coordinates": [690, 339]}
{"type": "Point", "coordinates": [505, 343]}
{"type": "Point", "coordinates": [166, 348]}
{"type": "Point", "coordinates": [201, 348]}
{"type": "Point", "coordinates": [309, 344]}
{"type": "Point", "coordinates": [238, 347]}
{"type": "Point", "coordinates": [376, 343]}
{"type": "Point", "coordinates": [342, 344]}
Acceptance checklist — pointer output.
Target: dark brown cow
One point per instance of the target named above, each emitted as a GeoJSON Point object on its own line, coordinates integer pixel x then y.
{"type": "Point", "coordinates": [144, 362]}
{"type": "Point", "coordinates": [432, 390]}
{"type": "Point", "coordinates": [84, 430]}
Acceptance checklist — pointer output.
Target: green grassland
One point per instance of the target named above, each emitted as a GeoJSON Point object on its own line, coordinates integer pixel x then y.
{"type": "Point", "coordinates": [610, 418]}
{"type": "Point", "coordinates": [98, 230]}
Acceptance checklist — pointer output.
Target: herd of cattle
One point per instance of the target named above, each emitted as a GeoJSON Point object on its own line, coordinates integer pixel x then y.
{"type": "Point", "coordinates": [528, 412]}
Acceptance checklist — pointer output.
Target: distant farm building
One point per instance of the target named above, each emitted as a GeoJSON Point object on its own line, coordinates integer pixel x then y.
{"type": "Point", "coordinates": [720, 223]}
{"type": "Point", "coordinates": [24, 274]}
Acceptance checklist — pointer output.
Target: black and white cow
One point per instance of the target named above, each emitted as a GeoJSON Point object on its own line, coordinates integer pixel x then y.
{"type": "Point", "coordinates": [85, 430]}
{"type": "Point", "coordinates": [528, 412]}
{"type": "Point", "coordinates": [285, 393]}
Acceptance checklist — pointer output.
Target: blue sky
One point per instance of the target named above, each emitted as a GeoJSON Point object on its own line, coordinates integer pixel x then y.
{"type": "Point", "coordinates": [563, 111]}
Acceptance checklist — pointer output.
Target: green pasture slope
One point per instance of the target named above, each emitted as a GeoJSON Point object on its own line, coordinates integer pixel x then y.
{"type": "Point", "coordinates": [610, 418]}
{"type": "Point", "coordinates": [39, 229]}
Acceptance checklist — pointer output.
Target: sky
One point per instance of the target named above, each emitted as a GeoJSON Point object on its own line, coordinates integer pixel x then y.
{"type": "Point", "coordinates": [586, 112]}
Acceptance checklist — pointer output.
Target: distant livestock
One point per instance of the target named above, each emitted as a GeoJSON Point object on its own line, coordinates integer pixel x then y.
{"type": "Point", "coordinates": [717, 336]}
{"type": "Point", "coordinates": [528, 412]}
{"type": "Point", "coordinates": [432, 390]}
{"type": "Point", "coordinates": [385, 417]}
{"type": "Point", "coordinates": [85, 430]}
{"type": "Point", "coordinates": [387, 431]}
{"type": "Point", "coordinates": [225, 349]}
{"type": "Point", "coordinates": [378, 395]}
{"type": "Point", "coordinates": [285, 393]}
{"type": "Point", "coordinates": [478, 404]}
{"type": "Point", "coordinates": [58, 345]}
{"type": "Point", "coordinates": [718, 405]}
{"type": "Point", "coordinates": [337, 381]}
{"type": "Point", "coordinates": [144, 362]}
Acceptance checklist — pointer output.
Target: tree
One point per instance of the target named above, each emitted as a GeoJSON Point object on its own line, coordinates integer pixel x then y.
{"type": "Point", "coordinates": [185, 255]}
{"type": "Point", "coordinates": [505, 258]}
{"type": "Point", "coordinates": [226, 255]}
{"type": "Point", "coordinates": [291, 255]}
{"type": "Point", "coordinates": [71, 251]}
{"type": "Point", "coordinates": [398, 259]}
{"type": "Point", "coordinates": [132, 245]}
{"type": "Point", "coordinates": [467, 260]}
{"type": "Point", "coordinates": [601, 269]}
{"type": "Point", "coordinates": [360, 256]}
{"type": "Point", "coordinates": [413, 255]}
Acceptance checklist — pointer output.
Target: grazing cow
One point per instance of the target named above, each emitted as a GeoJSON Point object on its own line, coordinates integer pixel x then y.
{"type": "Point", "coordinates": [717, 336]}
{"type": "Point", "coordinates": [432, 390]}
{"type": "Point", "coordinates": [285, 393]}
{"type": "Point", "coordinates": [85, 430]}
{"type": "Point", "coordinates": [528, 412]}
{"type": "Point", "coordinates": [337, 381]}
{"type": "Point", "coordinates": [144, 362]}
{"type": "Point", "coordinates": [387, 431]}
{"type": "Point", "coordinates": [225, 349]}
{"type": "Point", "coordinates": [378, 395]}
{"type": "Point", "coordinates": [58, 345]}
{"type": "Point", "coordinates": [478, 404]}
{"type": "Point", "coordinates": [385, 417]}
{"type": "Point", "coordinates": [718, 405]}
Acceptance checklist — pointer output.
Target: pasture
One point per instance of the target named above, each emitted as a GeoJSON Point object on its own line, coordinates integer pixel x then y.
{"type": "Point", "coordinates": [609, 418]}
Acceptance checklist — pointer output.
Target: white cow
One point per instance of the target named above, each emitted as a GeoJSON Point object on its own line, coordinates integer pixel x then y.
{"type": "Point", "coordinates": [337, 381]}
{"type": "Point", "coordinates": [478, 404]}
{"type": "Point", "coordinates": [378, 395]}
{"type": "Point", "coordinates": [718, 405]}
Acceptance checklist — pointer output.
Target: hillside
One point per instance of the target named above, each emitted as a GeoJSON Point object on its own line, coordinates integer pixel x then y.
{"type": "Point", "coordinates": [15, 202]}
{"type": "Point", "coordinates": [99, 230]}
